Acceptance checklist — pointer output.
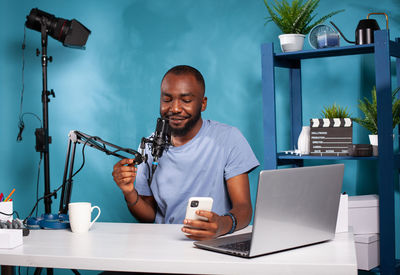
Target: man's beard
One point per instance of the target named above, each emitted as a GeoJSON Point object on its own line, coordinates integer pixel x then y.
{"type": "Point", "coordinates": [180, 132]}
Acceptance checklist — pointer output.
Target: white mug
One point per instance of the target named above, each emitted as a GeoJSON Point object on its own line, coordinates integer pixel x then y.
{"type": "Point", "coordinates": [80, 215]}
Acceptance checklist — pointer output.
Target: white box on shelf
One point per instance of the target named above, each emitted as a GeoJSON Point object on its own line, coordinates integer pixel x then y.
{"type": "Point", "coordinates": [364, 214]}
{"type": "Point", "coordinates": [342, 223]}
{"type": "Point", "coordinates": [7, 208]}
{"type": "Point", "coordinates": [367, 251]}
{"type": "Point", "coordinates": [10, 238]}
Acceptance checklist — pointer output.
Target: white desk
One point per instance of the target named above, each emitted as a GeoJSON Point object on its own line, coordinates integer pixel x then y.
{"type": "Point", "coordinates": [164, 249]}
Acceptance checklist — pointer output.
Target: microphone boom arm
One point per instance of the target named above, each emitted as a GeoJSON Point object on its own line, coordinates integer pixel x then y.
{"type": "Point", "coordinates": [75, 137]}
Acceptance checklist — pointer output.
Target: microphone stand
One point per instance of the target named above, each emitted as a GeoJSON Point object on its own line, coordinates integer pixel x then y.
{"type": "Point", "coordinates": [61, 220]}
{"type": "Point", "coordinates": [157, 142]}
{"type": "Point", "coordinates": [97, 143]}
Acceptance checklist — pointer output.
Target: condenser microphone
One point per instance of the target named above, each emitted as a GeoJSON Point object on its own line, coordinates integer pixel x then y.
{"type": "Point", "coordinates": [159, 142]}
{"type": "Point", "coordinates": [161, 139]}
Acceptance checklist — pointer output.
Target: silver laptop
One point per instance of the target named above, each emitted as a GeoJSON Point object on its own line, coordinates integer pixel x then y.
{"type": "Point", "coordinates": [294, 207]}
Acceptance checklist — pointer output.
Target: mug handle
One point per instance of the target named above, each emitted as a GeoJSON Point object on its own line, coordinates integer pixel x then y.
{"type": "Point", "coordinates": [98, 215]}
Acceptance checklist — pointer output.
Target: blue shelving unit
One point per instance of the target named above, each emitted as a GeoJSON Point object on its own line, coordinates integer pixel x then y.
{"type": "Point", "coordinates": [383, 49]}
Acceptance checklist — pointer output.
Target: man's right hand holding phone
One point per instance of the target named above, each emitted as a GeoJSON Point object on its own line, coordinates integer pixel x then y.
{"type": "Point", "coordinates": [200, 222]}
{"type": "Point", "coordinates": [203, 230]}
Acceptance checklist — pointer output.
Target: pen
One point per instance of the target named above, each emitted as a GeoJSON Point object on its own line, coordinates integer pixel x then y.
{"type": "Point", "coordinates": [10, 195]}
{"type": "Point", "coordinates": [1, 196]}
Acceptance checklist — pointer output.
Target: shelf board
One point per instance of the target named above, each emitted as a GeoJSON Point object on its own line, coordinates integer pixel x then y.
{"type": "Point", "coordinates": [284, 159]}
{"type": "Point", "coordinates": [294, 157]}
{"type": "Point", "coordinates": [326, 52]}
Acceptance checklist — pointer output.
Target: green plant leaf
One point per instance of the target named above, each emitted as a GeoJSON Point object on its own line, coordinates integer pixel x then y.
{"type": "Point", "coordinates": [369, 110]}
{"type": "Point", "coordinates": [321, 20]}
{"type": "Point", "coordinates": [335, 111]}
{"type": "Point", "coordinates": [295, 17]}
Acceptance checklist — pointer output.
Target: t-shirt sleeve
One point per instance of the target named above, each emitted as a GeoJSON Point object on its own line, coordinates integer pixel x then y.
{"type": "Point", "coordinates": [141, 184]}
{"type": "Point", "coordinates": [240, 156]}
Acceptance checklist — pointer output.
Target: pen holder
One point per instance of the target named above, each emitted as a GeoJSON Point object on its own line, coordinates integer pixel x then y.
{"type": "Point", "coordinates": [6, 208]}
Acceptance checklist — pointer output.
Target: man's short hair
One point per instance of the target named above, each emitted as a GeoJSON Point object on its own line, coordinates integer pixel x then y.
{"type": "Point", "coordinates": [185, 69]}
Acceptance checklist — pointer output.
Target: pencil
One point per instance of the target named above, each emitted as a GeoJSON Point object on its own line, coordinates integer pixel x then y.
{"type": "Point", "coordinates": [1, 197]}
{"type": "Point", "coordinates": [10, 195]}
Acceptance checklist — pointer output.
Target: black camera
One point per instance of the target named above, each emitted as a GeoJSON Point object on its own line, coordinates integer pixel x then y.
{"type": "Point", "coordinates": [194, 204]}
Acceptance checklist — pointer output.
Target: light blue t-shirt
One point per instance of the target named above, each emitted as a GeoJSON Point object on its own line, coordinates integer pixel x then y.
{"type": "Point", "coordinates": [199, 168]}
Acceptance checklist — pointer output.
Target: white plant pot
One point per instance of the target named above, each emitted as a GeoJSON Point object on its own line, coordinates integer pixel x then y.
{"type": "Point", "coordinates": [373, 140]}
{"type": "Point", "coordinates": [291, 42]}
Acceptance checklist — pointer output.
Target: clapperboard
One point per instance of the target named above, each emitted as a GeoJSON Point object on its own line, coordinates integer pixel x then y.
{"type": "Point", "coordinates": [330, 136]}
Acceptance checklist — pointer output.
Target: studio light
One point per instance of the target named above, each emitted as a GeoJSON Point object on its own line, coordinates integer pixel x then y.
{"type": "Point", "coordinates": [72, 34]}
{"type": "Point", "coordinates": [69, 32]}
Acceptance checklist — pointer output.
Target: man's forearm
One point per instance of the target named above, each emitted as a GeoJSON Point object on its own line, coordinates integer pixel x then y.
{"type": "Point", "coordinates": [243, 214]}
{"type": "Point", "coordinates": [141, 207]}
{"type": "Point", "coordinates": [241, 217]}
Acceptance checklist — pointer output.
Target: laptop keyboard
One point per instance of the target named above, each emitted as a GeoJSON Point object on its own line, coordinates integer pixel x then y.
{"type": "Point", "coordinates": [238, 246]}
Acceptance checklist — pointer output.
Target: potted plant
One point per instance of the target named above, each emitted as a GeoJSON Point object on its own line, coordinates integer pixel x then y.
{"type": "Point", "coordinates": [294, 21]}
{"type": "Point", "coordinates": [335, 111]}
{"type": "Point", "coordinates": [332, 134]}
{"type": "Point", "coordinates": [369, 110]}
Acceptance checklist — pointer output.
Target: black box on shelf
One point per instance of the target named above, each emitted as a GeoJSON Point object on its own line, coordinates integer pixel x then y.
{"type": "Point", "coordinates": [330, 136]}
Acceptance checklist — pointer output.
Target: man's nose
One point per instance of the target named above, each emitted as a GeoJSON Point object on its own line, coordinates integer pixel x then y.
{"type": "Point", "coordinates": [176, 106]}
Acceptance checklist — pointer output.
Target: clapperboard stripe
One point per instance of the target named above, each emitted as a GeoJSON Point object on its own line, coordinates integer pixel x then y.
{"type": "Point", "coordinates": [330, 136]}
{"type": "Point", "coordinates": [331, 122]}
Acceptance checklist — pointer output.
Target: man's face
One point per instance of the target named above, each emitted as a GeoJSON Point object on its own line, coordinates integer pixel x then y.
{"type": "Point", "coordinates": [182, 101]}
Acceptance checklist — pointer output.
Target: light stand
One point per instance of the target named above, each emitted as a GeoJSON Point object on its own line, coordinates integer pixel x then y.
{"type": "Point", "coordinates": [72, 34]}
{"type": "Point", "coordinates": [42, 136]}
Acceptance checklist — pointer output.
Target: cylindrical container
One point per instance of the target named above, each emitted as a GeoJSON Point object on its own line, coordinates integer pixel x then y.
{"type": "Point", "coordinates": [303, 143]}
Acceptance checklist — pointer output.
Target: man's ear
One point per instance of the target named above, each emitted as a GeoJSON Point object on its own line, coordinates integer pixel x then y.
{"type": "Point", "coordinates": [204, 104]}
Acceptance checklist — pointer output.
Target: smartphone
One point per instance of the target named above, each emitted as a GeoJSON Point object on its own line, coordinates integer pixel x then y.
{"type": "Point", "coordinates": [198, 203]}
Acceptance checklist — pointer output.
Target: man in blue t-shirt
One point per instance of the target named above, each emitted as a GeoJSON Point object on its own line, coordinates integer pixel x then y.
{"type": "Point", "coordinates": [206, 159]}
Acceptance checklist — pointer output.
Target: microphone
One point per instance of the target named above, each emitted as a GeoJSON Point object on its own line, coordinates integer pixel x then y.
{"type": "Point", "coordinates": [158, 143]}
{"type": "Point", "coordinates": [161, 139]}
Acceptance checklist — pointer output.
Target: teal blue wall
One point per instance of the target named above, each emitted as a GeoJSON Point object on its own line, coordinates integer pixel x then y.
{"type": "Point", "coordinates": [112, 88]}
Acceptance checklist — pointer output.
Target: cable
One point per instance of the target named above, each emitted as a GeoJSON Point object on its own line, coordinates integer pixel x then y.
{"type": "Point", "coordinates": [33, 114]}
{"type": "Point", "coordinates": [37, 181]}
{"type": "Point", "coordinates": [6, 214]}
{"type": "Point", "coordinates": [150, 176]}
{"type": "Point", "coordinates": [83, 155]}
{"type": "Point", "coordinates": [23, 70]}
{"type": "Point", "coordinates": [21, 124]}
{"type": "Point", "coordinates": [54, 193]}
